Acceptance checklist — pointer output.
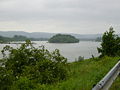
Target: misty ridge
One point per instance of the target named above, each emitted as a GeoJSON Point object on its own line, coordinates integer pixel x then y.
{"type": "Point", "coordinates": [46, 35]}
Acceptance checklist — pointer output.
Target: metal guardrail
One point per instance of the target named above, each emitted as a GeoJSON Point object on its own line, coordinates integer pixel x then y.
{"type": "Point", "coordinates": [107, 81]}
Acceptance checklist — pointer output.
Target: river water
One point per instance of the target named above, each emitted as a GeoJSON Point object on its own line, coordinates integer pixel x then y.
{"type": "Point", "coordinates": [69, 50]}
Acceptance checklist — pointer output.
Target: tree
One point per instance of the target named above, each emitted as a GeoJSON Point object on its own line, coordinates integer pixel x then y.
{"type": "Point", "coordinates": [110, 45]}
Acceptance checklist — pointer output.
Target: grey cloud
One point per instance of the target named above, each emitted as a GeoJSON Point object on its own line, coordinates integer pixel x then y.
{"type": "Point", "coordinates": [63, 14]}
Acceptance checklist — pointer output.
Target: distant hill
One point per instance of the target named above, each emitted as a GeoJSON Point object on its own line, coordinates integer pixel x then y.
{"type": "Point", "coordinates": [46, 35]}
{"type": "Point", "coordinates": [27, 34]}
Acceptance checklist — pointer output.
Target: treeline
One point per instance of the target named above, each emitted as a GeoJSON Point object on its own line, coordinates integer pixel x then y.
{"type": "Point", "coordinates": [19, 38]}
{"type": "Point", "coordinates": [4, 39]}
{"type": "Point", "coordinates": [57, 38]}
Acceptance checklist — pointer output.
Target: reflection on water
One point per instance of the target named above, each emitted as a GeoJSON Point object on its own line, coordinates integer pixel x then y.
{"type": "Point", "coordinates": [71, 50]}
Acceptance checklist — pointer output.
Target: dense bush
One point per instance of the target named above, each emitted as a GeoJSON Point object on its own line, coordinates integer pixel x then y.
{"type": "Point", "coordinates": [6, 78]}
{"type": "Point", "coordinates": [29, 64]}
{"type": "Point", "coordinates": [110, 45]}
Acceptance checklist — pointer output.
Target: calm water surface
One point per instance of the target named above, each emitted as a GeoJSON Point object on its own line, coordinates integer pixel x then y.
{"type": "Point", "coordinates": [71, 50]}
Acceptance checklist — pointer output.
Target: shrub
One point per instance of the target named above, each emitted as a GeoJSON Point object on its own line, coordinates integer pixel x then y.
{"type": "Point", "coordinates": [35, 64]}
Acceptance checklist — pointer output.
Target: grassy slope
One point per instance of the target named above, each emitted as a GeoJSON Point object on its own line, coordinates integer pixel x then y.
{"type": "Point", "coordinates": [116, 84]}
{"type": "Point", "coordinates": [84, 74]}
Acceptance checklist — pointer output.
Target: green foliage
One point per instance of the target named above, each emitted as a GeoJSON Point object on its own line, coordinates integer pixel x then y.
{"type": "Point", "coordinates": [23, 83]}
{"type": "Point", "coordinates": [110, 45]}
{"type": "Point", "coordinates": [29, 64]}
{"type": "Point", "coordinates": [6, 78]}
{"type": "Point", "coordinates": [61, 38]}
{"type": "Point", "coordinates": [83, 75]}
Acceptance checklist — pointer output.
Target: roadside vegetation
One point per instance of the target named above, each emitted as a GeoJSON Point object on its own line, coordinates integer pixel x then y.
{"type": "Point", "coordinates": [84, 75]}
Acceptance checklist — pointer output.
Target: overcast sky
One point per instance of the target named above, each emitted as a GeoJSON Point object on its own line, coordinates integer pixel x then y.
{"type": "Point", "coordinates": [66, 16]}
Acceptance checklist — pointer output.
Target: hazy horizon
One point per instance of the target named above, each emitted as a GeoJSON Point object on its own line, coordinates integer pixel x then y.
{"type": "Point", "coordinates": [51, 32]}
{"type": "Point", "coordinates": [60, 16]}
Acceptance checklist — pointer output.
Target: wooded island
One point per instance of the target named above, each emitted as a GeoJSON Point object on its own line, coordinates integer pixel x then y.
{"type": "Point", "coordinates": [63, 38]}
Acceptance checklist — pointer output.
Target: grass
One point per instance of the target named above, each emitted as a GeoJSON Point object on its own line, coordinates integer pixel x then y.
{"type": "Point", "coordinates": [116, 84]}
{"type": "Point", "coordinates": [84, 75]}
